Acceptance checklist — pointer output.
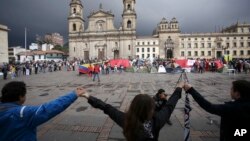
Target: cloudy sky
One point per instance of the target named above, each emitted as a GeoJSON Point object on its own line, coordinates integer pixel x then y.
{"type": "Point", "coordinates": [47, 16]}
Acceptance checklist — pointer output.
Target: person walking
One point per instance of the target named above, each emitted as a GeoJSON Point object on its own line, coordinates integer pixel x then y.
{"type": "Point", "coordinates": [96, 72]}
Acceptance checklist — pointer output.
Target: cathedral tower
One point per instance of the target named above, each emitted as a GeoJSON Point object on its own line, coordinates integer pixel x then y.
{"type": "Point", "coordinates": [129, 15]}
{"type": "Point", "coordinates": [75, 19]}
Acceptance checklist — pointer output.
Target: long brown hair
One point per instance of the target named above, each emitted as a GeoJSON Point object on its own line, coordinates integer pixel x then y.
{"type": "Point", "coordinates": [140, 110]}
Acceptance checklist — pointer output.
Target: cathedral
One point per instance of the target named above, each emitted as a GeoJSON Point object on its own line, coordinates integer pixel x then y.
{"type": "Point", "coordinates": [102, 40]}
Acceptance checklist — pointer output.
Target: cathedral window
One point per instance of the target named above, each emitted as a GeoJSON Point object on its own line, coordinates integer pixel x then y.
{"type": "Point", "coordinates": [202, 53]}
{"type": "Point", "coordinates": [182, 53]}
{"type": "Point", "coordinates": [129, 7]}
{"type": "Point", "coordinates": [241, 52]}
{"type": "Point", "coordinates": [100, 27]}
{"type": "Point", "coordinates": [74, 27]}
{"type": "Point", "coordinates": [129, 24]}
{"type": "Point", "coordinates": [242, 44]}
{"type": "Point", "coordinates": [202, 45]}
{"type": "Point", "coordinates": [209, 45]}
{"type": "Point", "coordinates": [196, 53]}
{"type": "Point", "coordinates": [74, 10]}
{"type": "Point", "coordinates": [209, 53]}
{"type": "Point", "coordinates": [235, 44]}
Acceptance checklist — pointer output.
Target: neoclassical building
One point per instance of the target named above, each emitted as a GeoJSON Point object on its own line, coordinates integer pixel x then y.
{"type": "Point", "coordinates": [102, 40]}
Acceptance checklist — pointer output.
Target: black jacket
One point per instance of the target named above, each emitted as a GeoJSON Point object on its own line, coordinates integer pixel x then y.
{"type": "Point", "coordinates": [157, 122]}
{"type": "Point", "coordinates": [234, 115]}
{"type": "Point", "coordinates": [159, 103]}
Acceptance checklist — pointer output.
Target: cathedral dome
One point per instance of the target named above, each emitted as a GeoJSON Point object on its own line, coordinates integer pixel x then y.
{"type": "Point", "coordinates": [76, 2]}
{"type": "Point", "coordinates": [174, 20]}
{"type": "Point", "coordinates": [163, 21]}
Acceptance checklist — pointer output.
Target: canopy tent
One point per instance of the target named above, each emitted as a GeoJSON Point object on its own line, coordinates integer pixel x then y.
{"type": "Point", "coordinates": [119, 62]}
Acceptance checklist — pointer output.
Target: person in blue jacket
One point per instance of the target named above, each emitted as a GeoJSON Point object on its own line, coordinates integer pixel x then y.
{"type": "Point", "coordinates": [19, 122]}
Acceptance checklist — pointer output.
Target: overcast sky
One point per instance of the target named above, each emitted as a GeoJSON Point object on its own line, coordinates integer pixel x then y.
{"type": "Point", "coordinates": [47, 16]}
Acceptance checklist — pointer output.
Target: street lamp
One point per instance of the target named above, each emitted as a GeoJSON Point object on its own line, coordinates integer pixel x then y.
{"type": "Point", "coordinates": [169, 45]}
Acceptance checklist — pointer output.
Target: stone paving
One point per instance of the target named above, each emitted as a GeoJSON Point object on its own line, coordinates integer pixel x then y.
{"type": "Point", "coordinates": [82, 122]}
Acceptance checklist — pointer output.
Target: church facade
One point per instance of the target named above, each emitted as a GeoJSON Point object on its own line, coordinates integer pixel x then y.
{"type": "Point", "coordinates": [102, 40]}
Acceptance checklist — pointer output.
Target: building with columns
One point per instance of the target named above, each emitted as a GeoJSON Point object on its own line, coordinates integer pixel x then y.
{"type": "Point", "coordinates": [102, 40]}
{"type": "Point", "coordinates": [4, 44]}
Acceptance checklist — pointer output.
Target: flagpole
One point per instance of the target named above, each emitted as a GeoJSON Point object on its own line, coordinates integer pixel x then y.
{"type": "Point", "coordinates": [25, 43]}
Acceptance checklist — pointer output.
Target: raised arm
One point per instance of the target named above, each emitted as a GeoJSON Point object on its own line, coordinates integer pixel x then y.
{"type": "Point", "coordinates": [218, 109]}
{"type": "Point", "coordinates": [163, 115]}
{"type": "Point", "coordinates": [113, 113]}
{"type": "Point", "coordinates": [46, 111]}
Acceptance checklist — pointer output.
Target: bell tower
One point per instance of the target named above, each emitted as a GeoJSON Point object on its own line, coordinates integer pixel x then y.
{"type": "Point", "coordinates": [75, 19]}
{"type": "Point", "coordinates": [129, 15]}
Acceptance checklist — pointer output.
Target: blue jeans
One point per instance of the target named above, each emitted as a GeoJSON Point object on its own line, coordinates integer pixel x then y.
{"type": "Point", "coordinates": [94, 75]}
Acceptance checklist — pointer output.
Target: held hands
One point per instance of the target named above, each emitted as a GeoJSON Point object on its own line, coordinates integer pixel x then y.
{"type": "Point", "coordinates": [187, 86]}
{"type": "Point", "coordinates": [81, 92]}
{"type": "Point", "coordinates": [184, 85]}
{"type": "Point", "coordinates": [180, 84]}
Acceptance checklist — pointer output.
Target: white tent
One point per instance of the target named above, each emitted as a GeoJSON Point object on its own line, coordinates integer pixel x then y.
{"type": "Point", "coordinates": [161, 69]}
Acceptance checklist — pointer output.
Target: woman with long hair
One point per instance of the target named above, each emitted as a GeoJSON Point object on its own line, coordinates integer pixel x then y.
{"type": "Point", "coordinates": [140, 122]}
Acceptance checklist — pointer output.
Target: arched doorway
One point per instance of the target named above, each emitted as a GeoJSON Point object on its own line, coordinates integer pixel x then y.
{"type": "Point", "coordinates": [116, 54]}
{"type": "Point", "coordinates": [169, 53]}
{"type": "Point", "coordinates": [86, 55]}
{"type": "Point", "coordinates": [100, 54]}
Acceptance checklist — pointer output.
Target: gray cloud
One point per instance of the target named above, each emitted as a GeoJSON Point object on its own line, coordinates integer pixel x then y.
{"type": "Point", "coordinates": [46, 16]}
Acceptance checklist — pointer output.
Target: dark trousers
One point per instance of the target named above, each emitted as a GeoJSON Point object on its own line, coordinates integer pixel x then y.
{"type": "Point", "coordinates": [5, 76]}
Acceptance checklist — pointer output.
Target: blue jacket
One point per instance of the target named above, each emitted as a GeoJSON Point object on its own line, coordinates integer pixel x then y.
{"type": "Point", "coordinates": [19, 123]}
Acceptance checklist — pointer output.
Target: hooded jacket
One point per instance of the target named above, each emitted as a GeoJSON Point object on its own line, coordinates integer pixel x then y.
{"type": "Point", "coordinates": [19, 123]}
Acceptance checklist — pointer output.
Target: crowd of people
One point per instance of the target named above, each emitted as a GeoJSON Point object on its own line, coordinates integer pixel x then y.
{"type": "Point", "coordinates": [35, 67]}
{"type": "Point", "coordinates": [142, 121]}
{"type": "Point", "coordinates": [199, 65]}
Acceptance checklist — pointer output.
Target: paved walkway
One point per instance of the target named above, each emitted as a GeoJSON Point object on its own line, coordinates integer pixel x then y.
{"type": "Point", "coordinates": [82, 122]}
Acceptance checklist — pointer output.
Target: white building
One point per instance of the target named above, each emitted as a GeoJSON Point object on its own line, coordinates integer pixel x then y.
{"type": "Point", "coordinates": [34, 46]}
{"type": "Point", "coordinates": [4, 44]}
{"type": "Point", "coordinates": [41, 56]}
{"type": "Point", "coordinates": [46, 47]}
{"type": "Point", "coordinates": [13, 51]}
{"type": "Point", "coordinates": [103, 40]}
{"type": "Point", "coordinates": [147, 47]}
